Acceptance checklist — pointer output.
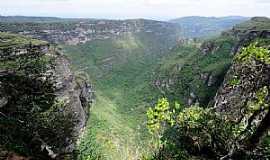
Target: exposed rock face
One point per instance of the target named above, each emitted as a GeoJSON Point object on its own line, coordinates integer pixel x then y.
{"type": "Point", "coordinates": [248, 36]}
{"type": "Point", "coordinates": [78, 95]}
{"type": "Point", "coordinates": [3, 101]}
{"type": "Point", "coordinates": [208, 48]}
{"type": "Point", "coordinates": [244, 99]}
{"type": "Point", "coordinates": [219, 53]}
{"type": "Point", "coordinates": [232, 99]}
{"type": "Point", "coordinates": [13, 52]}
{"type": "Point", "coordinates": [204, 77]}
{"type": "Point", "coordinates": [42, 100]}
{"type": "Point", "coordinates": [211, 81]}
{"type": "Point", "coordinates": [192, 99]}
{"type": "Point", "coordinates": [208, 79]}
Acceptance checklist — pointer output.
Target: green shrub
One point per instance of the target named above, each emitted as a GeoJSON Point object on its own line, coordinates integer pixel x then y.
{"type": "Point", "coordinates": [191, 131]}
{"type": "Point", "coordinates": [253, 52]}
{"type": "Point", "coordinates": [235, 81]}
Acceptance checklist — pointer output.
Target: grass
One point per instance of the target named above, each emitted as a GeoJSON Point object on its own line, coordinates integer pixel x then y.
{"type": "Point", "coordinates": [116, 133]}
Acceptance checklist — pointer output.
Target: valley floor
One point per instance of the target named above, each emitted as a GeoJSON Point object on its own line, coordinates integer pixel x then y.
{"type": "Point", "coordinates": [117, 133]}
{"type": "Point", "coordinates": [117, 121]}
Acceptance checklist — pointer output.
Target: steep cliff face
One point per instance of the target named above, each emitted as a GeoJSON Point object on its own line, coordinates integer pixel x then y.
{"type": "Point", "coordinates": [194, 70]}
{"type": "Point", "coordinates": [43, 105]}
{"type": "Point", "coordinates": [75, 92]}
{"type": "Point", "coordinates": [244, 100]}
{"type": "Point", "coordinates": [241, 85]}
{"type": "Point", "coordinates": [236, 125]}
{"type": "Point", "coordinates": [244, 79]}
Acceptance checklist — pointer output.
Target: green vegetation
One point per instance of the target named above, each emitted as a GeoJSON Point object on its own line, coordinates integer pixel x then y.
{"type": "Point", "coordinates": [130, 72]}
{"type": "Point", "coordinates": [235, 81]}
{"type": "Point", "coordinates": [256, 23]}
{"type": "Point", "coordinates": [123, 70]}
{"type": "Point", "coordinates": [252, 52]}
{"type": "Point", "coordinates": [160, 113]}
{"type": "Point", "coordinates": [30, 117]}
{"type": "Point", "coordinates": [193, 71]}
{"type": "Point", "coordinates": [89, 149]}
{"type": "Point", "coordinates": [120, 69]}
{"type": "Point", "coordinates": [194, 132]}
{"type": "Point", "coordinates": [12, 40]}
{"type": "Point", "coordinates": [259, 102]}
{"type": "Point", "coordinates": [24, 19]}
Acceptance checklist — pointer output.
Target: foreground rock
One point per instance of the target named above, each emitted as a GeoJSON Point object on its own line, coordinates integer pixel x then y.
{"type": "Point", "coordinates": [43, 105]}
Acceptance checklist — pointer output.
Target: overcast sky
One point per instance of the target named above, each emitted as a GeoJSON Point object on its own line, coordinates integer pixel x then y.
{"type": "Point", "coordinates": [123, 9]}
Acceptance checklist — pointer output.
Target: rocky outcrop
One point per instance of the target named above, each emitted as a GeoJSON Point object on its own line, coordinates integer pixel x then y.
{"type": "Point", "coordinates": [247, 37]}
{"type": "Point", "coordinates": [243, 80]}
{"type": "Point", "coordinates": [208, 47]}
{"type": "Point", "coordinates": [192, 98]}
{"type": "Point", "coordinates": [241, 86]}
{"type": "Point", "coordinates": [78, 95]}
{"type": "Point", "coordinates": [43, 105]}
{"type": "Point", "coordinates": [208, 78]}
{"type": "Point", "coordinates": [244, 100]}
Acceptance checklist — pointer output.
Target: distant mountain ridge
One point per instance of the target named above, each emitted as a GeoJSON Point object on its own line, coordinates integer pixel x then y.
{"type": "Point", "coordinates": [75, 31]}
{"type": "Point", "coordinates": [196, 26]}
{"type": "Point", "coordinates": [191, 27]}
{"type": "Point", "coordinates": [40, 19]}
{"type": "Point", "coordinates": [23, 19]}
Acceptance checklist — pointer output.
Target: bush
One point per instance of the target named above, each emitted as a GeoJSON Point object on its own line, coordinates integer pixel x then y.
{"type": "Point", "coordinates": [191, 131]}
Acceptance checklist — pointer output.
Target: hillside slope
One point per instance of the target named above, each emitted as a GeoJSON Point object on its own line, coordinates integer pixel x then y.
{"type": "Point", "coordinates": [227, 81]}
{"type": "Point", "coordinates": [121, 71]}
{"type": "Point", "coordinates": [206, 26]}
{"type": "Point", "coordinates": [194, 70]}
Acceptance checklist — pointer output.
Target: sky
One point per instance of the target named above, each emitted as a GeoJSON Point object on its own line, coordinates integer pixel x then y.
{"type": "Point", "coordinates": [126, 9]}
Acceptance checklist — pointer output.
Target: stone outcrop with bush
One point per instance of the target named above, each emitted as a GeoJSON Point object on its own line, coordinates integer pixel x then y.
{"type": "Point", "coordinates": [193, 71]}
{"type": "Point", "coordinates": [43, 105]}
{"type": "Point", "coordinates": [235, 124]}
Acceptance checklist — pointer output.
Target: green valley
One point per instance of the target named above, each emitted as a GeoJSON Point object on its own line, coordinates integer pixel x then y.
{"type": "Point", "coordinates": [137, 89]}
{"type": "Point", "coordinates": [128, 79]}
{"type": "Point", "coordinates": [120, 70]}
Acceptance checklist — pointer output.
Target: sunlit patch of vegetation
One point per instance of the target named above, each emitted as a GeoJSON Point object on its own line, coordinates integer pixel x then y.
{"type": "Point", "coordinates": [253, 52]}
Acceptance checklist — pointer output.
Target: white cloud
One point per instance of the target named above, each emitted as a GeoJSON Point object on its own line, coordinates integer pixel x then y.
{"type": "Point", "coordinates": [158, 9]}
